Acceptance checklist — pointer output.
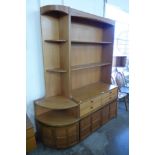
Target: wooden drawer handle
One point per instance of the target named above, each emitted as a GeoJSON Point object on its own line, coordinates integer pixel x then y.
{"type": "Point", "coordinates": [91, 107]}
{"type": "Point", "coordinates": [91, 101]}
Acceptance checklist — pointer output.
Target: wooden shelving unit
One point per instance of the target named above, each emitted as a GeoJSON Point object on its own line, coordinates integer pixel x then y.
{"type": "Point", "coordinates": [77, 53]}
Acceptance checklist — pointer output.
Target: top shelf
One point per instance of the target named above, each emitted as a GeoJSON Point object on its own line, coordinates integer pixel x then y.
{"type": "Point", "coordinates": [61, 10]}
{"type": "Point", "coordinates": [56, 103]}
{"type": "Point", "coordinates": [91, 42]}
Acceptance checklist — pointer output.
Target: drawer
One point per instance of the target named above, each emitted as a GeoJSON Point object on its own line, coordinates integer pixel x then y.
{"type": "Point", "coordinates": [109, 96]}
{"type": "Point", "coordinates": [96, 102]}
{"type": "Point", "coordinates": [89, 106]}
{"type": "Point", "coordinates": [85, 108]}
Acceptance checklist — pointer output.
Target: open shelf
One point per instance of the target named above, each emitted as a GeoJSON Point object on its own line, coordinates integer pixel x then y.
{"type": "Point", "coordinates": [56, 103]}
{"type": "Point", "coordinates": [92, 65]}
{"type": "Point", "coordinates": [91, 42]}
{"type": "Point", "coordinates": [55, 41]}
{"type": "Point", "coordinates": [56, 70]}
{"type": "Point", "coordinates": [56, 118]}
{"type": "Point", "coordinates": [90, 91]}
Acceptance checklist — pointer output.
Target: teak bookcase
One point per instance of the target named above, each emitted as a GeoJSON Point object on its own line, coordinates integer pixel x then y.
{"type": "Point", "coordinates": [77, 53]}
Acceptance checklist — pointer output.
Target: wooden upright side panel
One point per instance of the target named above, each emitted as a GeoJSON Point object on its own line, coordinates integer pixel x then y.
{"type": "Point", "coordinates": [65, 54]}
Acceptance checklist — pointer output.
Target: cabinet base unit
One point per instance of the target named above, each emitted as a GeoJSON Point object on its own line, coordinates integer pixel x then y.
{"type": "Point", "coordinates": [77, 56]}
{"type": "Point", "coordinates": [59, 137]}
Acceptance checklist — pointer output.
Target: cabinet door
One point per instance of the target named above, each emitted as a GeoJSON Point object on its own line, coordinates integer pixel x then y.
{"type": "Point", "coordinates": [104, 114]}
{"type": "Point", "coordinates": [85, 127]}
{"type": "Point", "coordinates": [96, 120]}
{"type": "Point", "coordinates": [73, 134]}
{"type": "Point", "coordinates": [113, 109]}
{"type": "Point", "coordinates": [47, 136]}
{"type": "Point", "coordinates": [61, 137]}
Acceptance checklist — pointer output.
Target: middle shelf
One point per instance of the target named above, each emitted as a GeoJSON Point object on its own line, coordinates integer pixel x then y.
{"type": "Point", "coordinates": [91, 42]}
{"type": "Point", "coordinates": [91, 65]}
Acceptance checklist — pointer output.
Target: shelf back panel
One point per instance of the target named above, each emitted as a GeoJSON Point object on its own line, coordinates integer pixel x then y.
{"type": "Point", "coordinates": [51, 56]}
{"type": "Point", "coordinates": [85, 54]}
{"type": "Point", "coordinates": [50, 27]}
{"type": "Point", "coordinates": [80, 31]}
{"type": "Point", "coordinates": [53, 84]}
{"type": "Point", "coordinates": [85, 77]}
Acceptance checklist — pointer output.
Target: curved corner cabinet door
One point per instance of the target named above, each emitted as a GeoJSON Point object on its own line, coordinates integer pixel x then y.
{"type": "Point", "coordinates": [59, 137]}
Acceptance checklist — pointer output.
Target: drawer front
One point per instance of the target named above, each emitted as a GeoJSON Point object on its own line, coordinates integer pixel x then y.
{"type": "Point", "coordinates": [85, 108]}
{"type": "Point", "coordinates": [109, 96]}
{"type": "Point", "coordinates": [90, 105]}
{"type": "Point", "coordinates": [96, 102]}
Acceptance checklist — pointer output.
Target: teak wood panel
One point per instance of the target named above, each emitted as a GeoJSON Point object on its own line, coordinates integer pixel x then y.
{"type": "Point", "coordinates": [60, 137]}
{"type": "Point", "coordinates": [85, 54]}
{"type": "Point", "coordinates": [85, 77]}
{"type": "Point", "coordinates": [51, 56]}
{"type": "Point", "coordinates": [96, 120]}
{"type": "Point", "coordinates": [112, 109]}
{"type": "Point", "coordinates": [89, 31]}
{"type": "Point", "coordinates": [53, 84]}
{"type": "Point", "coordinates": [104, 114]}
{"type": "Point", "coordinates": [85, 127]}
{"type": "Point", "coordinates": [52, 27]}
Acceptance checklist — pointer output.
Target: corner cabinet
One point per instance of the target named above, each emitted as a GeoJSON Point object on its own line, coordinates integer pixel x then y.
{"type": "Point", "coordinates": [77, 53]}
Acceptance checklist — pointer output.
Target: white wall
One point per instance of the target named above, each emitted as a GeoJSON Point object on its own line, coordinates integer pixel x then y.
{"type": "Point", "coordinates": [34, 63]}
{"type": "Point", "coordinates": [90, 6]}
{"type": "Point", "coordinates": [34, 70]}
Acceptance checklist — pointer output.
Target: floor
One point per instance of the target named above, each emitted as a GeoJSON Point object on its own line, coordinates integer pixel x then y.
{"type": "Point", "coordinates": [110, 139]}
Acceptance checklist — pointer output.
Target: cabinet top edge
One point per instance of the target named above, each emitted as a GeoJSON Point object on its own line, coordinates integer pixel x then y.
{"type": "Point", "coordinates": [65, 10]}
